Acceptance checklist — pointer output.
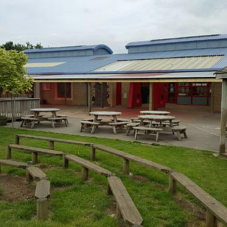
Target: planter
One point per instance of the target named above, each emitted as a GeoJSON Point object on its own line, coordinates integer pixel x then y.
{"type": "Point", "coordinates": [3, 120]}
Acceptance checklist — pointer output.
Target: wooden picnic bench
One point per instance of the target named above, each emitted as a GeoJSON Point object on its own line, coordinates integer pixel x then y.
{"type": "Point", "coordinates": [127, 157]}
{"type": "Point", "coordinates": [180, 130]}
{"type": "Point", "coordinates": [42, 194]}
{"type": "Point", "coordinates": [58, 119]}
{"type": "Point", "coordinates": [125, 206]}
{"type": "Point", "coordinates": [35, 173]}
{"type": "Point", "coordinates": [147, 130]}
{"type": "Point", "coordinates": [89, 124]}
{"type": "Point", "coordinates": [29, 120]}
{"type": "Point", "coordinates": [13, 163]}
{"type": "Point", "coordinates": [130, 126]}
{"type": "Point", "coordinates": [86, 165]}
{"type": "Point", "coordinates": [33, 150]}
{"type": "Point", "coordinates": [215, 210]}
{"type": "Point", "coordinates": [116, 125]}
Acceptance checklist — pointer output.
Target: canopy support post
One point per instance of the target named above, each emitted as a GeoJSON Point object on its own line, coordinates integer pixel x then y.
{"type": "Point", "coordinates": [89, 97]}
{"type": "Point", "coordinates": [150, 96]}
{"type": "Point", "coordinates": [223, 117]}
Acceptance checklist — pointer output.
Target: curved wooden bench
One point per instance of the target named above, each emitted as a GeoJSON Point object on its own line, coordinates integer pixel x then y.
{"type": "Point", "coordinates": [128, 157]}
{"type": "Point", "coordinates": [125, 205]}
{"type": "Point", "coordinates": [115, 125]}
{"type": "Point", "coordinates": [89, 124]}
{"type": "Point", "coordinates": [27, 120]}
{"type": "Point", "coordinates": [58, 119]}
{"type": "Point", "coordinates": [215, 210]}
{"type": "Point", "coordinates": [35, 173]}
{"type": "Point", "coordinates": [180, 130]}
{"type": "Point", "coordinates": [174, 123]}
{"type": "Point", "coordinates": [86, 165]}
{"type": "Point", "coordinates": [51, 140]}
{"type": "Point", "coordinates": [33, 150]}
{"type": "Point", "coordinates": [42, 194]}
{"type": "Point", "coordinates": [13, 163]}
{"type": "Point", "coordinates": [154, 131]}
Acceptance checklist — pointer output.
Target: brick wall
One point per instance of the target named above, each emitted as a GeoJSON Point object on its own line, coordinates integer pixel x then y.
{"type": "Point", "coordinates": [78, 95]}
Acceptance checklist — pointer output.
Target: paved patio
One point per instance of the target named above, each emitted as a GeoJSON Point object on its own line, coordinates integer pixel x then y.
{"type": "Point", "coordinates": [202, 126]}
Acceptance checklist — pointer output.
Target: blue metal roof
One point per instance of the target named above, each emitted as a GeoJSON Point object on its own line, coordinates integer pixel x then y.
{"type": "Point", "coordinates": [178, 40]}
{"type": "Point", "coordinates": [70, 48]}
{"type": "Point", "coordinates": [87, 64]}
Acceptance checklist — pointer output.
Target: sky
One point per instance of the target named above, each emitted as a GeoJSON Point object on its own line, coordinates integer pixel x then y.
{"type": "Point", "coordinates": [55, 23]}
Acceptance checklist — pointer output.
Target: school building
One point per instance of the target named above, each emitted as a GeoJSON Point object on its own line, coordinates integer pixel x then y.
{"type": "Point", "coordinates": [180, 71]}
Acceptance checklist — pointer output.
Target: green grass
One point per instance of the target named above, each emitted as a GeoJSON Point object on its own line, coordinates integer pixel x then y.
{"type": "Point", "coordinates": [78, 203]}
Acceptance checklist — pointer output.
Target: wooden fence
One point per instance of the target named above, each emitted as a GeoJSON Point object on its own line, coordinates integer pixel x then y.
{"type": "Point", "coordinates": [22, 106]}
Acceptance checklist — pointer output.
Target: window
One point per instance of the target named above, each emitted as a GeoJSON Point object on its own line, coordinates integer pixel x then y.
{"type": "Point", "coordinates": [64, 89]}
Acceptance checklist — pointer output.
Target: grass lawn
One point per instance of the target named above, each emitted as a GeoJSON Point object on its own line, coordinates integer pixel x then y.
{"type": "Point", "coordinates": [78, 203]}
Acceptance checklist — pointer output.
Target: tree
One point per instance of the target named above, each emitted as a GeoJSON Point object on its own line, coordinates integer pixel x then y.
{"type": "Point", "coordinates": [12, 75]}
{"type": "Point", "coordinates": [20, 47]}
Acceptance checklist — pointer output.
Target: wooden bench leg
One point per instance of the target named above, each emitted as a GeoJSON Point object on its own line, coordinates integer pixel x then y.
{"type": "Point", "coordinates": [136, 133]}
{"type": "Point", "coordinates": [9, 152]}
{"type": "Point", "coordinates": [92, 154]}
{"type": "Point", "coordinates": [51, 145]}
{"type": "Point", "coordinates": [93, 129]}
{"type": "Point", "coordinates": [185, 135]}
{"type": "Point", "coordinates": [125, 166]}
{"type": "Point", "coordinates": [28, 177]}
{"type": "Point", "coordinates": [179, 135]}
{"type": "Point", "coordinates": [33, 124]}
{"type": "Point", "coordinates": [172, 185]}
{"type": "Point", "coordinates": [157, 135]}
{"type": "Point", "coordinates": [34, 158]}
{"type": "Point", "coordinates": [211, 220]}
{"type": "Point", "coordinates": [65, 162]}
{"type": "Point", "coordinates": [17, 139]}
{"type": "Point", "coordinates": [22, 123]}
{"type": "Point", "coordinates": [114, 130]}
{"type": "Point", "coordinates": [0, 169]}
{"type": "Point", "coordinates": [127, 131]}
{"type": "Point", "coordinates": [42, 209]}
{"type": "Point", "coordinates": [85, 173]}
{"type": "Point", "coordinates": [53, 124]}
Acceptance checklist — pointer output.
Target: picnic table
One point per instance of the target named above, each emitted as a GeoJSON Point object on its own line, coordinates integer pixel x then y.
{"type": "Point", "coordinates": [37, 118]}
{"type": "Point", "coordinates": [153, 112]}
{"type": "Point", "coordinates": [113, 122]}
{"type": "Point", "coordinates": [105, 113]}
{"type": "Point", "coordinates": [156, 118]}
{"type": "Point", "coordinates": [37, 111]}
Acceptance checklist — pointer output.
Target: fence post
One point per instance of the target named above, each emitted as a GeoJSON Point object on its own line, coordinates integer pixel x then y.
{"type": "Point", "coordinates": [126, 166]}
{"type": "Point", "coordinates": [42, 209]}
{"type": "Point", "coordinates": [17, 139]}
{"type": "Point", "coordinates": [85, 173]}
{"type": "Point", "coordinates": [9, 153]}
{"type": "Point", "coordinates": [51, 145]}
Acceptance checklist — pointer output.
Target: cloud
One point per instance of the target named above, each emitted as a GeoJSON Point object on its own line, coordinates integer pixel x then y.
{"type": "Point", "coordinates": [115, 23]}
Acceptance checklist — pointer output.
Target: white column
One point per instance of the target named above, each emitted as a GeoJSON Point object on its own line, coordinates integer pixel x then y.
{"type": "Point", "coordinates": [151, 96]}
{"type": "Point", "coordinates": [37, 90]}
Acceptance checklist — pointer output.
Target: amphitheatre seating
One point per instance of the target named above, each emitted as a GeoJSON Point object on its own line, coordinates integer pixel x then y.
{"type": "Point", "coordinates": [115, 125]}
{"type": "Point", "coordinates": [86, 165]}
{"type": "Point", "coordinates": [125, 205]}
{"type": "Point", "coordinates": [215, 210]}
{"type": "Point", "coordinates": [89, 124]}
{"type": "Point", "coordinates": [42, 194]}
{"type": "Point", "coordinates": [128, 157]}
{"type": "Point", "coordinates": [35, 173]}
{"type": "Point", "coordinates": [154, 131]}
{"type": "Point", "coordinates": [130, 126]}
{"type": "Point", "coordinates": [180, 130]}
{"type": "Point", "coordinates": [13, 163]}
{"type": "Point", "coordinates": [33, 150]}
